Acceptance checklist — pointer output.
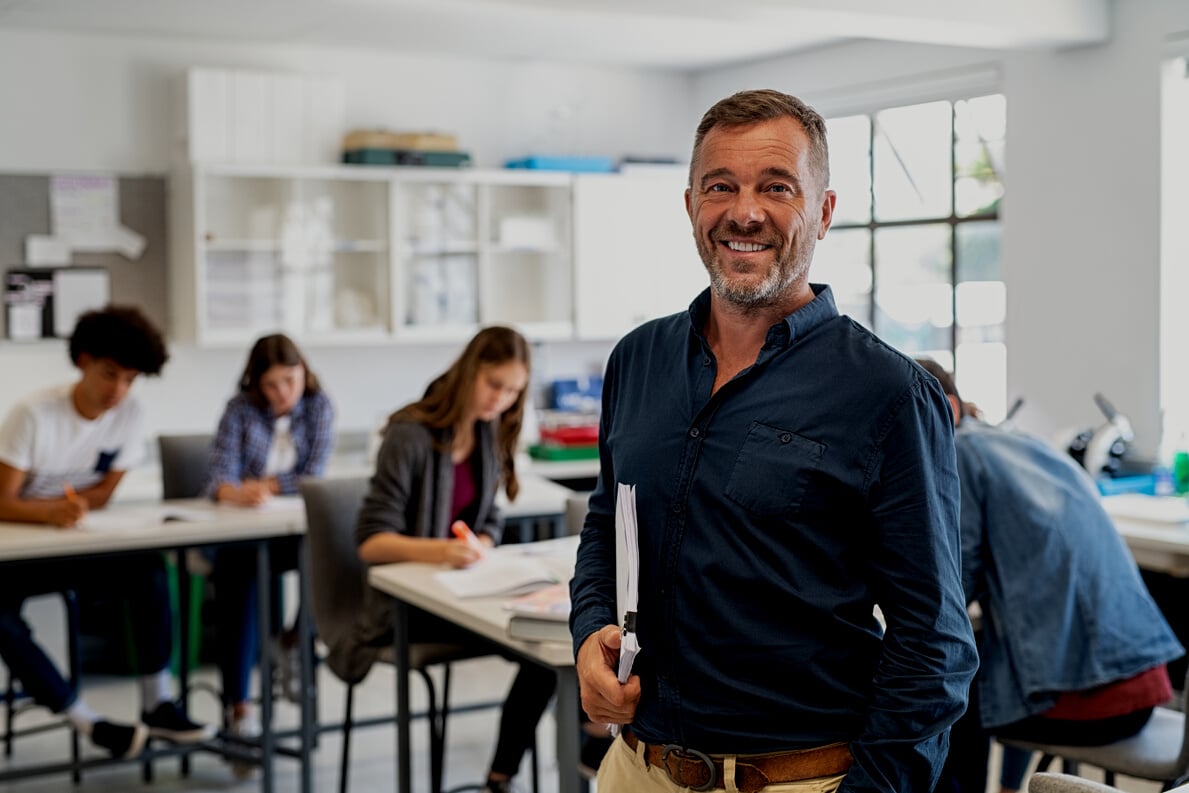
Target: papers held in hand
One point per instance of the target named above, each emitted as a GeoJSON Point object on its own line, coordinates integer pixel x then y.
{"type": "Point", "coordinates": [627, 579]}
{"type": "Point", "coordinates": [497, 574]}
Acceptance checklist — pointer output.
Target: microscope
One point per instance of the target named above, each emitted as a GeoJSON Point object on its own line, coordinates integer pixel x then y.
{"type": "Point", "coordinates": [1100, 450]}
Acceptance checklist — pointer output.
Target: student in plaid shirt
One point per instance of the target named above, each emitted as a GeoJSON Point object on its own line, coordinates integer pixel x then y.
{"type": "Point", "coordinates": [278, 428]}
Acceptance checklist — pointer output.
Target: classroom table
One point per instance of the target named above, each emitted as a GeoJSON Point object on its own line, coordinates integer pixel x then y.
{"type": "Point", "coordinates": [177, 526]}
{"type": "Point", "coordinates": [1157, 545]}
{"type": "Point", "coordinates": [413, 585]}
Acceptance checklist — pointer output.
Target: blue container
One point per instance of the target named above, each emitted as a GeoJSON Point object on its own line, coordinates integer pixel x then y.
{"type": "Point", "coordinates": [1144, 483]}
{"type": "Point", "coordinates": [582, 164]}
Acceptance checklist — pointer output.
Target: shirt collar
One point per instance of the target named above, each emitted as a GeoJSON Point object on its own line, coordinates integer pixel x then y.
{"type": "Point", "coordinates": [814, 313]}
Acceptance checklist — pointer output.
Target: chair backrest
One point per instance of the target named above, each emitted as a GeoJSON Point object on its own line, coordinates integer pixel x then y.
{"type": "Point", "coordinates": [1064, 783]}
{"type": "Point", "coordinates": [185, 464]}
{"type": "Point", "coordinates": [338, 579]}
{"type": "Point", "coordinates": [576, 506]}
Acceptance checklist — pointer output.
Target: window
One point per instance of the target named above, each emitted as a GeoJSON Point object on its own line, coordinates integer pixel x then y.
{"type": "Point", "coordinates": [1174, 253]}
{"type": "Point", "coordinates": [913, 253]}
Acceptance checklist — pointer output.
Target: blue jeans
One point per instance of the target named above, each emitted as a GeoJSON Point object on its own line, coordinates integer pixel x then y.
{"type": "Point", "coordinates": [236, 595]}
{"type": "Point", "coordinates": [139, 579]}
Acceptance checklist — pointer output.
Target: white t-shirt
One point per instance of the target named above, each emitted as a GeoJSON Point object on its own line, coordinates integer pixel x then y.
{"type": "Point", "coordinates": [282, 454]}
{"type": "Point", "coordinates": [45, 437]}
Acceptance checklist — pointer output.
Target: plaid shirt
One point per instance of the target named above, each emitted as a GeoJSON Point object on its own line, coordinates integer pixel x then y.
{"type": "Point", "coordinates": [240, 448]}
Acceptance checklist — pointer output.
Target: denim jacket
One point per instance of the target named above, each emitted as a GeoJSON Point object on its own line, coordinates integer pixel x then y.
{"type": "Point", "coordinates": [1064, 608]}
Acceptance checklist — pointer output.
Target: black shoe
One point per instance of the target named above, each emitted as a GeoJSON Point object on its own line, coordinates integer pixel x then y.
{"type": "Point", "coordinates": [122, 740]}
{"type": "Point", "coordinates": [168, 722]}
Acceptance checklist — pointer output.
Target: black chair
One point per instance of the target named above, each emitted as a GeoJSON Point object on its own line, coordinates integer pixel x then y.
{"type": "Point", "coordinates": [185, 464]}
{"type": "Point", "coordinates": [16, 702]}
{"type": "Point", "coordinates": [338, 586]}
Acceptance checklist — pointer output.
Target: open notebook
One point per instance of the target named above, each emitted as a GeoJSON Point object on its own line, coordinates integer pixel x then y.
{"type": "Point", "coordinates": [498, 574]}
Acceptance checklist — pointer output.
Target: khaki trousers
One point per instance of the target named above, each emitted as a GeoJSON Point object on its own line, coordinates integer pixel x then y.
{"type": "Point", "coordinates": [624, 771]}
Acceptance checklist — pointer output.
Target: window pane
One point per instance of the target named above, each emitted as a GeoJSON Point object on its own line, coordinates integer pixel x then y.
{"type": "Point", "coordinates": [843, 261]}
{"type": "Point", "coordinates": [913, 294]}
{"type": "Point", "coordinates": [979, 126]}
{"type": "Point", "coordinates": [981, 301]}
{"type": "Point", "coordinates": [913, 176]}
{"type": "Point", "coordinates": [850, 167]}
{"type": "Point", "coordinates": [982, 295]}
{"type": "Point", "coordinates": [982, 378]}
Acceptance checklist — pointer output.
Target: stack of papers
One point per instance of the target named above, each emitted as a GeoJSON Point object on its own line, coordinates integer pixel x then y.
{"type": "Point", "coordinates": [543, 615]}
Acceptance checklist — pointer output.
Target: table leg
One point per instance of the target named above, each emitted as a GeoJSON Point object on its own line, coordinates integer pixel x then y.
{"type": "Point", "coordinates": [305, 638]}
{"type": "Point", "coordinates": [183, 579]}
{"type": "Point", "coordinates": [404, 771]}
{"type": "Point", "coordinates": [263, 617]}
{"type": "Point", "coordinates": [569, 779]}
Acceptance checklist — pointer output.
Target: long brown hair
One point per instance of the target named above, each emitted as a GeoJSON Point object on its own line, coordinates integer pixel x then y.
{"type": "Point", "coordinates": [449, 395]}
{"type": "Point", "coordinates": [269, 351]}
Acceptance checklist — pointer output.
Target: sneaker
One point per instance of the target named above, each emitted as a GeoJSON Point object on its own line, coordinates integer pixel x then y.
{"type": "Point", "coordinates": [122, 740]}
{"type": "Point", "coordinates": [286, 659]}
{"type": "Point", "coordinates": [168, 722]}
{"type": "Point", "coordinates": [246, 727]}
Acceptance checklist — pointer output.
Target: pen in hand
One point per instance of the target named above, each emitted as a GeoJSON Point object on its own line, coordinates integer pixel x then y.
{"type": "Point", "coordinates": [76, 507]}
{"type": "Point", "coordinates": [463, 532]}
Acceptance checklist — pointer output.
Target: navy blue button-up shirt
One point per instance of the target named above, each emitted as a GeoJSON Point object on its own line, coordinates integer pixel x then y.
{"type": "Point", "coordinates": [774, 515]}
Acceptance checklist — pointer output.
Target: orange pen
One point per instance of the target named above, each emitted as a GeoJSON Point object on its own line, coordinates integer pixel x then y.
{"type": "Point", "coordinates": [70, 494]}
{"type": "Point", "coordinates": [463, 532]}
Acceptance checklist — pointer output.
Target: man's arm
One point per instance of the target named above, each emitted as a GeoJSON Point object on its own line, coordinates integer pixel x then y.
{"type": "Point", "coordinates": [62, 511]}
{"type": "Point", "coordinates": [928, 658]}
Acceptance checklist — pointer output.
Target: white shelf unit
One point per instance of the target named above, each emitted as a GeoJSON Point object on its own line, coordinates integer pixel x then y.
{"type": "Point", "coordinates": [360, 254]}
{"type": "Point", "coordinates": [483, 247]}
{"type": "Point", "coordinates": [303, 250]}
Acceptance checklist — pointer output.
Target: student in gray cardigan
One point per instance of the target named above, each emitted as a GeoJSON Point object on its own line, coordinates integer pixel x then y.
{"type": "Point", "coordinates": [442, 460]}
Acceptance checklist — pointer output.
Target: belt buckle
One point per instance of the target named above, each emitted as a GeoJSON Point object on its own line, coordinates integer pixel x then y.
{"type": "Point", "coordinates": [686, 754]}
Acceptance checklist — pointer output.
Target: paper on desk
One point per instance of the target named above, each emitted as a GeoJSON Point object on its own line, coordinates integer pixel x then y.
{"type": "Point", "coordinates": [129, 519]}
{"type": "Point", "coordinates": [281, 504]}
{"type": "Point", "coordinates": [627, 579]}
{"type": "Point", "coordinates": [497, 574]}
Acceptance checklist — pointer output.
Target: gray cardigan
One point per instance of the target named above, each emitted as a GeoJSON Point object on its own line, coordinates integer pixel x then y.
{"type": "Point", "coordinates": [411, 493]}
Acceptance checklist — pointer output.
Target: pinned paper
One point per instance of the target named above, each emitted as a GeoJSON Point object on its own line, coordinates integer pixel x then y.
{"type": "Point", "coordinates": [42, 250]}
{"type": "Point", "coordinates": [85, 212]}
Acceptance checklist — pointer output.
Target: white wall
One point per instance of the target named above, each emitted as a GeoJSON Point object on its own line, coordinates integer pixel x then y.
{"type": "Point", "coordinates": [1081, 240]}
{"type": "Point", "coordinates": [70, 102]}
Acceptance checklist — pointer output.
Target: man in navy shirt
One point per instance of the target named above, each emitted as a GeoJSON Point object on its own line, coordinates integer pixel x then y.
{"type": "Point", "coordinates": [792, 473]}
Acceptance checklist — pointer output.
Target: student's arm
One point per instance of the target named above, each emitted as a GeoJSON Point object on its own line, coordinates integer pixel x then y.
{"type": "Point", "coordinates": [62, 511]}
{"type": "Point", "coordinates": [381, 531]}
{"type": "Point", "coordinates": [227, 460]}
{"type": "Point", "coordinates": [97, 495]}
{"type": "Point", "coordinates": [389, 547]}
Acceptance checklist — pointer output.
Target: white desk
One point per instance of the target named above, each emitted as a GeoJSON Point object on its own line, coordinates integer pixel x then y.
{"type": "Point", "coordinates": [25, 543]}
{"type": "Point", "coordinates": [1156, 546]}
{"type": "Point", "coordinates": [412, 584]}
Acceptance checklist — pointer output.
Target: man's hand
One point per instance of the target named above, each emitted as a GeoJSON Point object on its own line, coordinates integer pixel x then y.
{"type": "Point", "coordinates": [604, 699]}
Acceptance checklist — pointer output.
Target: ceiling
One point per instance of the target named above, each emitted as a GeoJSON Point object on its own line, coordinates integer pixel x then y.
{"type": "Point", "coordinates": [671, 34]}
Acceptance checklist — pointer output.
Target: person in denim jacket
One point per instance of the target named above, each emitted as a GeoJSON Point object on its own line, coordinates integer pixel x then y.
{"type": "Point", "coordinates": [1072, 648]}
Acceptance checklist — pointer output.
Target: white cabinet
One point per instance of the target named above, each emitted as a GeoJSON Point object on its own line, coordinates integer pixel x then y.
{"type": "Point", "coordinates": [634, 252]}
{"type": "Point", "coordinates": [481, 248]}
{"type": "Point", "coordinates": [258, 250]}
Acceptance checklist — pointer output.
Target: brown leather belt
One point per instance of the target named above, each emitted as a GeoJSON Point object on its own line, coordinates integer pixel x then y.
{"type": "Point", "coordinates": [697, 771]}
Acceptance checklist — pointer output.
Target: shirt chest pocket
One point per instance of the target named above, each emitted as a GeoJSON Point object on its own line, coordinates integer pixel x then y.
{"type": "Point", "coordinates": [772, 469]}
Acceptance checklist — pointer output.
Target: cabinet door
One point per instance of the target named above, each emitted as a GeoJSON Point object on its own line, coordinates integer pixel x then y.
{"type": "Point", "coordinates": [306, 254]}
{"type": "Point", "coordinates": [482, 248]}
{"type": "Point", "coordinates": [634, 254]}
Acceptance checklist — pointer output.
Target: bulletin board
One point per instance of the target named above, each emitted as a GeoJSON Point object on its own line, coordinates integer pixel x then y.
{"type": "Point", "coordinates": [25, 210]}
